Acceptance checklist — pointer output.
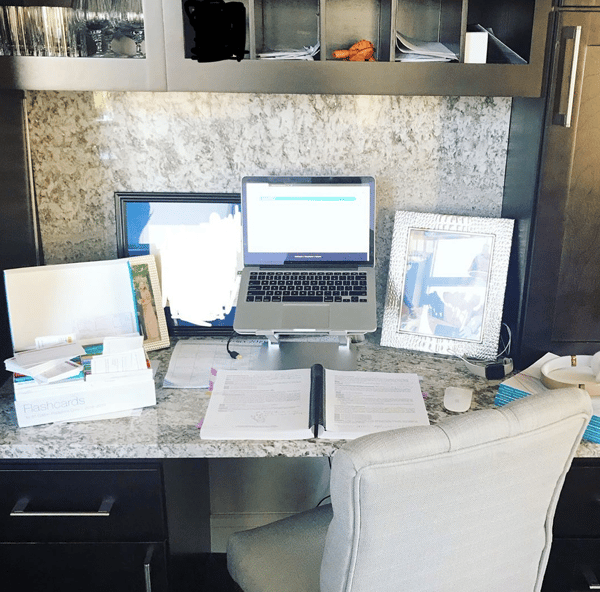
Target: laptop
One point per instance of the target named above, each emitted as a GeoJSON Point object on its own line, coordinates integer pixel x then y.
{"type": "Point", "coordinates": [309, 256]}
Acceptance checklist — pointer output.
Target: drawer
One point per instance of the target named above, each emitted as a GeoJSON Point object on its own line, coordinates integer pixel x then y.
{"type": "Point", "coordinates": [93, 567]}
{"type": "Point", "coordinates": [573, 566]}
{"type": "Point", "coordinates": [578, 510]}
{"type": "Point", "coordinates": [76, 504]}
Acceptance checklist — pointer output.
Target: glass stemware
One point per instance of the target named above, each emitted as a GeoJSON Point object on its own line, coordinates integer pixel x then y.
{"type": "Point", "coordinates": [5, 34]}
{"type": "Point", "coordinates": [97, 19]}
{"type": "Point", "coordinates": [132, 24]}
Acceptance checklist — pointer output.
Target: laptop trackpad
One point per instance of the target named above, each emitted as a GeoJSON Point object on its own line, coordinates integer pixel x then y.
{"type": "Point", "coordinates": [305, 317]}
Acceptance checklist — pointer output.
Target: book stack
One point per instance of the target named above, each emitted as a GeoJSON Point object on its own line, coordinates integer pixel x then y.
{"type": "Point", "coordinates": [79, 352]}
{"type": "Point", "coordinates": [100, 380]}
{"type": "Point", "coordinates": [528, 382]}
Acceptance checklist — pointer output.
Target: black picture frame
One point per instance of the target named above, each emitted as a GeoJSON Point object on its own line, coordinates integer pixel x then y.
{"type": "Point", "coordinates": [130, 209]}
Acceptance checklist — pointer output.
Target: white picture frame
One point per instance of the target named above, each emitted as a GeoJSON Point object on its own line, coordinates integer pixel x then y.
{"type": "Point", "coordinates": [446, 284]}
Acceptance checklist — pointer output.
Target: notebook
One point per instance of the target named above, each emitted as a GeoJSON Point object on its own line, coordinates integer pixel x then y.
{"type": "Point", "coordinates": [309, 256]}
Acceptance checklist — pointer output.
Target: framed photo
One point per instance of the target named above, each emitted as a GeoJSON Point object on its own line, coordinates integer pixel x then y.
{"type": "Point", "coordinates": [150, 313]}
{"type": "Point", "coordinates": [196, 239]}
{"type": "Point", "coordinates": [446, 284]}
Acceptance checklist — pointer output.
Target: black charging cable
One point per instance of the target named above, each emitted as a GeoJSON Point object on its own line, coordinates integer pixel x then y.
{"type": "Point", "coordinates": [235, 355]}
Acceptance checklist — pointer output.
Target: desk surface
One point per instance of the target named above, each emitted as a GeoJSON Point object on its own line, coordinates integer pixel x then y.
{"type": "Point", "coordinates": [169, 429]}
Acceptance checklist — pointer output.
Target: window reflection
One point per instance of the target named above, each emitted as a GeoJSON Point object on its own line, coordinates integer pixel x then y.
{"type": "Point", "coordinates": [445, 284]}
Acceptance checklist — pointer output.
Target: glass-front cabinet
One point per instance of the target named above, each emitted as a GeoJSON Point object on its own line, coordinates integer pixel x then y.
{"type": "Point", "coordinates": [83, 45]}
{"type": "Point", "coordinates": [413, 47]}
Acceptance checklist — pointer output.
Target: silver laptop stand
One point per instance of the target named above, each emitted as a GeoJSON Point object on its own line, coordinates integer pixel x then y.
{"type": "Point", "coordinates": [285, 352]}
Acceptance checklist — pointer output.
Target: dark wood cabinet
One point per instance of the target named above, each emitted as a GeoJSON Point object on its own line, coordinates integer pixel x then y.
{"type": "Point", "coordinates": [99, 567]}
{"type": "Point", "coordinates": [18, 228]}
{"type": "Point", "coordinates": [560, 303]}
{"type": "Point", "coordinates": [514, 66]}
{"type": "Point", "coordinates": [83, 526]}
{"type": "Point", "coordinates": [574, 563]}
{"type": "Point", "coordinates": [515, 58]}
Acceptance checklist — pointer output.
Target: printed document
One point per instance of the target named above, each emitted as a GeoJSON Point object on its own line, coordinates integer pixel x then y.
{"type": "Point", "coordinates": [310, 403]}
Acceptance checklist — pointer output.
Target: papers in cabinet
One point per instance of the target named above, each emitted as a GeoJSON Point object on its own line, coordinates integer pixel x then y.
{"type": "Point", "coordinates": [413, 50]}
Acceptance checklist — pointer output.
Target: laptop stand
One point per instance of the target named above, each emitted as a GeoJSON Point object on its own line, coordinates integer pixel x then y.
{"type": "Point", "coordinates": [302, 351]}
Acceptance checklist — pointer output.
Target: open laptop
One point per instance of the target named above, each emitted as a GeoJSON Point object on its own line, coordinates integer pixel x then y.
{"type": "Point", "coordinates": [309, 255]}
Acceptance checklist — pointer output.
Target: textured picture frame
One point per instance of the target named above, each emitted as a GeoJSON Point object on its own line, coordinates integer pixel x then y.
{"type": "Point", "coordinates": [446, 284]}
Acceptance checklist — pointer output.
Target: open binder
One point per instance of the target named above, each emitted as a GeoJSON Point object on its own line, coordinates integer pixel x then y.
{"type": "Point", "coordinates": [311, 403]}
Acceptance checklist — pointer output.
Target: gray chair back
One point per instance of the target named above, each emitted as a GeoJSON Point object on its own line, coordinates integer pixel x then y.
{"type": "Point", "coordinates": [465, 505]}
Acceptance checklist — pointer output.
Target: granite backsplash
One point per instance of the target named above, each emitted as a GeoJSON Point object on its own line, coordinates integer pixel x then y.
{"type": "Point", "coordinates": [428, 154]}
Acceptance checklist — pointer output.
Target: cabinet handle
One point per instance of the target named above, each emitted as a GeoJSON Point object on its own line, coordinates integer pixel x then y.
{"type": "Point", "coordinates": [20, 507]}
{"type": "Point", "coordinates": [563, 118]}
{"type": "Point", "coordinates": [590, 578]}
{"type": "Point", "coordinates": [147, 576]}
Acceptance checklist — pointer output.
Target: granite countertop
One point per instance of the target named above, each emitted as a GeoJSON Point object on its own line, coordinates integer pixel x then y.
{"type": "Point", "coordinates": [169, 429]}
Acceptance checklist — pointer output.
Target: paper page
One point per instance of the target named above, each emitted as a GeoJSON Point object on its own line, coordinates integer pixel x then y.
{"type": "Point", "coordinates": [306, 53]}
{"type": "Point", "coordinates": [191, 362]}
{"type": "Point", "coordinates": [428, 48]}
{"type": "Point", "coordinates": [122, 343]}
{"type": "Point", "coordinates": [59, 371]}
{"type": "Point", "coordinates": [529, 380]}
{"type": "Point", "coordinates": [259, 405]}
{"type": "Point", "coordinates": [30, 358]}
{"type": "Point", "coordinates": [359, 403]}
{"type": "Point", "coordinates": [122, 362]}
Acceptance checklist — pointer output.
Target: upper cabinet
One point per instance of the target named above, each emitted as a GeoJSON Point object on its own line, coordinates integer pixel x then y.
{"type": "Point", "coordinates": [291, 46]}
{"type": "Point", "coordinates": [515, 55]}
{"type": "Point", "coordinates": [91, 46]}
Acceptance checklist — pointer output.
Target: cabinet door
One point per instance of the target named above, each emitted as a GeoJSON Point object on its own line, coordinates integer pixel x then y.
{"type": "Point", "coordinates": [578, 510]}
{"type": "Point", "coordinates": [562, 312]}
{"type": "Point", "coordinates": [52, 567]}
{"type": "Point", "coordinates": [93, 73]}
{"type": "Point", "coordinates": [58, 505]}
{"type": "Point", "coordinates": [573, 566]}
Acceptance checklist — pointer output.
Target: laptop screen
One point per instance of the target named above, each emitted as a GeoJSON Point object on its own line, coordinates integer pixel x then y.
{"type": "Point", "coordinates": [308, 220]}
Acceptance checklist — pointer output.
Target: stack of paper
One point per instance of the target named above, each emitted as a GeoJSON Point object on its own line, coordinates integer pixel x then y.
{"type": "Point", "coordinates": [528, 382]}
{"type": "Point", "coordinates": [113, 377]}
{"type": "Point", "coordinates": [413, 50]}
{"type": "Point", "coordinates": [47, 364]}
{"type": "Point", "coordinates": [78, 351]}
{"type": "Point", "coordinates": [192, 362]}
{"type": "Point", "coordinates": [306, 53]}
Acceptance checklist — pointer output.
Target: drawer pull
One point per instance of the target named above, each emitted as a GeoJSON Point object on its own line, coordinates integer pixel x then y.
{"type": "Point", "coordinates": [563, 117]}
{"type": "Point", "coordinates": [20, 510]}
{"type": "Point", "coordinates": [147, 575]}
{"type": "Point", "coordinates": [590, 578]}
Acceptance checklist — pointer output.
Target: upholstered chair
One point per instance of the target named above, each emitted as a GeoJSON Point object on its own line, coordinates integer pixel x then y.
{"type": "Point", "coordinates": [465, 505]}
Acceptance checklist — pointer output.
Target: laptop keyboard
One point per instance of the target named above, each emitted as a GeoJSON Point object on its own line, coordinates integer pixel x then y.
{"type": "Point", "coordinates": [301, 286]}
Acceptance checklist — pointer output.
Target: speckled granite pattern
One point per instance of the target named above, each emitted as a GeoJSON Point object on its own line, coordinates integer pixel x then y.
{"type": "Point", "coordinates": [428, 154]}
{"type": "Point", "coordinates": [169, 429]}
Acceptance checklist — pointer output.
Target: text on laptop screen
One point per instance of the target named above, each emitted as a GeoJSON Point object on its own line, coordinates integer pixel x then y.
{"type": "Point", "coordinates": [300, 222]}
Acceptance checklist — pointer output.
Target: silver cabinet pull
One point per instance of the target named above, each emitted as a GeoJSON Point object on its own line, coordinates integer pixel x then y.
{"type": "Point", "coordinates": [20, 510]}
{"type": "Point", "coordinates": [560, 117]}
{"type": "Point", "coordinates": [590, 578]}
{"type": "Point", "coordinates": [147, 576]}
